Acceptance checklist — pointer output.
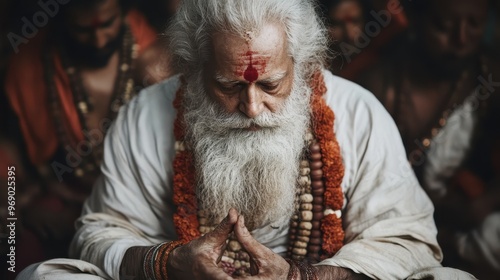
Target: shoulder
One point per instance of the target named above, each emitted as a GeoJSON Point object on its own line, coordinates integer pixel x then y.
{"type": "Point", "coordinates": [141, 141]}
{"type": "Point", "coordinates": [351, 101]}
{"type": "Point", "coordinates": [359, 116]}
{"type": "Point", "coordinates": [152, 104]}
{"type": "Point", "coordinates": [25, 63]}
{"type": "Point", "coordinates": [146, 122]}
{"type": "Point", "coordinates": [153, 64]}
{"type": "Point", "coordinates": [144, 33]}
{"type": "Point", "coordinates": [366, 133]}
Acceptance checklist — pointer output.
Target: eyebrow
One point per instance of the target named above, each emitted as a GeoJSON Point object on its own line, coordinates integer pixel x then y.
{"type": "Point", "coordinates": [276, 77]}
{"type": "Point", "coordinates": [272, 79]}
{"type": "Point", "coordinates": [223, 80]}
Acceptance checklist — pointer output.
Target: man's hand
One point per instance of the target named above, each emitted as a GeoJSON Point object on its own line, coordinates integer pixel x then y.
{"type": "Point", "coordinates": [198, 259]}
{"type": "Point", "coordinates": [265, 264]}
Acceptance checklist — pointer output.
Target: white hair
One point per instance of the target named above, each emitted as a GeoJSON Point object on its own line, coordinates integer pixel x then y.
{"type": "Point", "coordinates": [196, 20]}
{"type": "Point", "coordinates": [254, 172]}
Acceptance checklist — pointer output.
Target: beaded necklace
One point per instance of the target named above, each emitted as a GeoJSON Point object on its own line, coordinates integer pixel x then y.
{"type": "Point", "coordinates": [424, 143]}
{"type": "Point", "coordinates": [123, 91]}
{"type": "Point", "coordinates": [315, 231]}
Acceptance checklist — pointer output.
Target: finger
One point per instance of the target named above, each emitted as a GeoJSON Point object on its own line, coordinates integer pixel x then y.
{"type": "Point", "coordinates": [220, 234]}
{"type": "Point", "coordinates": [252, 246]}
{"type": "Point", "coordinates": [254, 269]}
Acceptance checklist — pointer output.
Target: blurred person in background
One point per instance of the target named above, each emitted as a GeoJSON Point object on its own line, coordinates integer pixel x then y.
{"type": "Point", "coordinates": [441, 86]}
{"type": "Point", "coordinates": [65, 84]}
{"type": "Point", "coordinates": [347, 18]}
{"type": "Point", "coordinates": [158, 12]}
{"type": "Point", "coordinates": [358, 30]}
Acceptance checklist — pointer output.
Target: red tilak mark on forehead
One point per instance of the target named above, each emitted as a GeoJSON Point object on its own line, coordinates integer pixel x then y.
{"type": "Point", "coordinates": [96, 23]}
{"type": "Point", "coordinates": [250, 74]}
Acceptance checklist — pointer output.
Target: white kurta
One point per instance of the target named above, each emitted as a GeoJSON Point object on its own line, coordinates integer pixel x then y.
{"type": "Point", "coordinates": [390, 232]}
{"type": "Point", "coordinates": [447, 154]}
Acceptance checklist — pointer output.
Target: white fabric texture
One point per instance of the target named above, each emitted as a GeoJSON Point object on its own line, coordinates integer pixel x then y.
{"type": "Point", "coordinates": [482, 244]}
{"type": "Point", "coordinates": [448, 152]}
{"type": "Point", "coordinates": [449, 148]}
{"type": "Point", "coordinates": [390, 232]}
{"type": "Point", "coordinates": [62, 269]}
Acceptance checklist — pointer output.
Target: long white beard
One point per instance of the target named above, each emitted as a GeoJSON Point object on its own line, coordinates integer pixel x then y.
{"type": "Point", "coordinates": [254, 172]}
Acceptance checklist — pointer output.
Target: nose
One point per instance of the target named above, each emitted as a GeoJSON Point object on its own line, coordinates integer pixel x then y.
{"type": "Point", "coordinates": [100, 39]}
{"type": "Point", "coordinates": [252, 101]}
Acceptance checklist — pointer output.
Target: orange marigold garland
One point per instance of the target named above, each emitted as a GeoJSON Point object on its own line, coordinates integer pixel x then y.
{"type": "Point", "coordinates": [323, 120]}
{"type": "Point", "coordinates": [185, 217]}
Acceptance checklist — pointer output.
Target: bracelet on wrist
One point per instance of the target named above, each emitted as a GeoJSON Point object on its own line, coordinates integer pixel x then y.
{"type": "Point", "coordinates": [155, 260]}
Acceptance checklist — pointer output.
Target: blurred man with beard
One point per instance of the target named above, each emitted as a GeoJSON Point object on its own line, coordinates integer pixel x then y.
{"type": "Point", "coordinates": [441, 86]}
{"type": "Point", "coordinates": [256, 162]}
{"type": "Point", "coordinates": [65, 85]}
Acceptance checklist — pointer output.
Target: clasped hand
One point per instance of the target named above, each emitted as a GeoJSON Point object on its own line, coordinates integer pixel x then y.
{"type": "Point", "coordinates": [199, 259]}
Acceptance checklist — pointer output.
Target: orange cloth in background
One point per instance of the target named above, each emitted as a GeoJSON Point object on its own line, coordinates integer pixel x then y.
{"type": "Point", "coordinates": [28, 93]}
{"type": "Point", "coordinates": [370, 55]}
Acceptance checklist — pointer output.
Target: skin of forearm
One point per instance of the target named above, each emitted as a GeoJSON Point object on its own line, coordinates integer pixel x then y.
{"type": "Point", "coordinates": [132, 262]}
{"type": "Point", "coordinates": [338, 273]}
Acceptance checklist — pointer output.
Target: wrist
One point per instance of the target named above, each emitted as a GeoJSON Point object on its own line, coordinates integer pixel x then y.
{"type": "Point", "coordinates": [132, 263]}
{"type": "Point", "coordinates": [155, 264]}
{"type": "Point", "coordinates": [301, 270]}
{"type": "Point", "coordinates": [172, 263]}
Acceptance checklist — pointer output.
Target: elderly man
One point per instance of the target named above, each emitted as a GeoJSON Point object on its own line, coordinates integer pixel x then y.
{"type": "Point", "coordinates": [239, 167]}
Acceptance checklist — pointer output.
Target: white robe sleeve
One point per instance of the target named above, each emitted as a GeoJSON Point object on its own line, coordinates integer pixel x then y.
{"type": "Point", "coordinates": [390, 232]}
{"type": "Point", "coordinates": [482, 244]}
{"type": "Point", "coordinates": [388, 219]}
{"type": "Point", "coordinates": [130, 203]}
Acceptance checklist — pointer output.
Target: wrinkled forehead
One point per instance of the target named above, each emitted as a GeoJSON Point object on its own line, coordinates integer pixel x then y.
{"type": "Point", "coordinates": [263, 48]}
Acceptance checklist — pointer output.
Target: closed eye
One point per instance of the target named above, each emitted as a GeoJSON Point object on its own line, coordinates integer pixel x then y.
{"type": "Point", "coordinates": [268, 87]}
{"type": "Point", "coordinates": [230, 87]}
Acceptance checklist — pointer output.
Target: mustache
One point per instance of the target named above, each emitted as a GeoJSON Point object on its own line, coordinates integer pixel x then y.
{"type": "Point", "coordinates": [239, 121]}
{"type": "Point", "coordinates": [219, 120]}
